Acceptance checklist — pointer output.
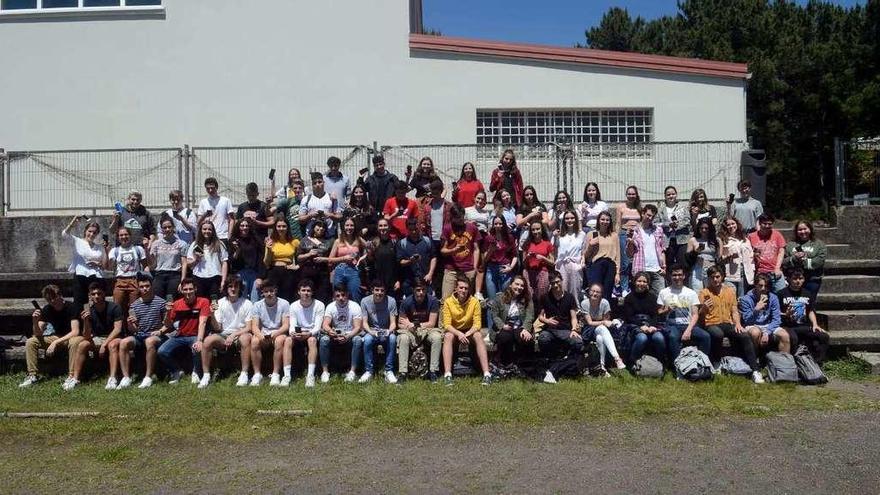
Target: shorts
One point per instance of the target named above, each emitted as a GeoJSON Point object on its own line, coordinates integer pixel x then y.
{"type": "Point", "coordinates": [140, 341]}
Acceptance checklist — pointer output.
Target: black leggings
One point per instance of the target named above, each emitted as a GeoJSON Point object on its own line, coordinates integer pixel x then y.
{"type": "Point", "coordinates": [285, 280]}
{"type": "Point", "coordinates": [509, 346]}
{"type": "Point", "coordinates": [208, 287]}
{"type": "Point", "coordinates": [165, 283]}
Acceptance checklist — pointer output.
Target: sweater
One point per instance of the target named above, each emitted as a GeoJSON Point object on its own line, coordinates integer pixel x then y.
{"type": "Point", "coordinates": [767, 319]}
{"type": "Point", "coordinates": [462, 317]}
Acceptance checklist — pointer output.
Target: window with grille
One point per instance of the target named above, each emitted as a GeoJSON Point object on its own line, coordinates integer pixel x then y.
{"type": "Point", "coordinates": [16, 7]}
{"type": "Point", "coordinates": [600, 132]}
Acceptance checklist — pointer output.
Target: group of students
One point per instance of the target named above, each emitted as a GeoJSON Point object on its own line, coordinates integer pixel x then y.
{"type": "Point", "coordinates": [287, 272]}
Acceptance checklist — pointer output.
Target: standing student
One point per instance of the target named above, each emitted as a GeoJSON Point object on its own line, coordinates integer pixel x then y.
{"type": "Point", "coordinates": [419, 324]}
{"type": "Point", "coordinates": [246, 257]}
{"type": "Point", "coordinates": [629, 214]}
{"type": "Point", "coordinates": [254, 209]}
{"type": "Point", "coordinates": [435, 212]}
{"type": "Point", "coordinates": [399, 209]}
{"type": "Point", "coordinates": [500, 257]}
{"type": "Point", "coordinates": [806, 253]}
{"type": "Point", "coordinates": [460, 251]}
{"type": "Point", "coordinates": [359, 209]}
{"type": "Point", "coordinates": [504, 207]}
{"type": "Point", "coordinates": [603, 255]}
{"type": "Point", "coordinates": [88, 260]}
{"type": "Point", "coordinates": [561, 203]}
{"type": "Point", "coordinates": [423, 177]}
{"type": "Point", "coordinates": [319, 206]}
{"type": "Point", "coordinates": [465, 190]}
{"type": "Point", "coordinates": [703, 249]}
{"type": "Point", "coordinates": [674, 217]}
{"type": "Point", "coordinates": [461, 321]}
{"type": "Point", "coordinates": [382, 259]}
{"type": "Point", "coordinates": [680, 305]}
{"type": "Point", "coordinates": [700, 208]}
{"type": "Point", "coordinates": [347, 254]}
{"type": "Point", "coordinates": [531, 209]}
{"type": "Point", "coordinates": [380, 328]}
{"type": "Point", "coordinates": [342, 327]}
{"type": "Point", "coordinates": [745, 208]}
{"type": "Point", "coordinates": [102, 332]}
{"type": "Point", "coordinates": [769, 248]}
{"type": "Point", "coordinates": [216, 209]}
{"type": "Point", "coordinates": [507, 177]}
{"type": "Point", "coordinates": [736, 256]}
{"type": "Point", "coordinates": [416, 256]}
{"type": "Point", "coordinates": [379, 185]}
{"type": "Point", "coordinates": [597, 313]}
{"type": "Point", "coordinates": [55, 326]}
{"type": "Point", "coordinates": [592, 205]}
{"type": "Point", "coordinates": [270, 324]}
{"type": "Point", "coordinates": [167, 256]}
{"type": "Point", "coordinates": [144, 335]}
{"type": "Point", "coordinates": [306, 320]}
{"type": "Point", "coordinates": [289, 207]}
{"type": "Point", "coordinates": [512, 316]}
{"type": "Point", "coordinates": [561, 333]}
{"type": "Point", "coordinates": [313, 259]}
{"type": "Point", "coordinates": [570, 248]}
{"type": "Point", "coordinates": [538, 260]}
{"type": "Point", "coordinates": [229, 319]}
{"type": "Point", "coordinates": [280, 259]}
{"type": "Point", "coordinates": [126, 260]}
{"type": "Point", "coordinates": [207, 261]}
{"type": "Point", "coordinates": [136, 219]}
{"type": "Point", "coordinates": [189, 317]}
{"type": "Point", "coordinates": [478, 214]}
{"type": "Point", "coordinates": [337, 184]}
{"type": "Point", "coordinates": [289, 191]}
{"type": "Point", "coordinates": [796, 304]}
{"type": "Point", "coordinates": [185, 220]}
{"type": "Point", "coordinates": [646, 247]}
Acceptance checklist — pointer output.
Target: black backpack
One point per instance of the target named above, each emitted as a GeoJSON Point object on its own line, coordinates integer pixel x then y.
{"type": "Point", "coordinates": [808, 370]}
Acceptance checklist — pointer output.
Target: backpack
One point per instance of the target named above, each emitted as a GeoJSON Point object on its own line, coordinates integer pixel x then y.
{"type": "Point", "coordinates": [733, 365]}
{"type": "Point", "coordinates": [691, 364]}
{"type": "Point", "coordinates": [781, 367]}
{"type": "Point", "coordinates": [418, 362]}
{"type": "Point", "coordinates": [810, 373]}
{"type": "Point", "coordinates": [571, 365]}
{"type": "Point", "coordinates": [648, 367]}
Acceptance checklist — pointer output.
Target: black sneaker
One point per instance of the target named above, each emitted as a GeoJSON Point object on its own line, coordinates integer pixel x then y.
{"type": "Point", "coordinates": [432, 377]}
{"type": "Point", "coordinates": [447, 380]}
{"type": "Point", "coordinates": [487, 380]}
{"type": "Point", "coordinates": [401, 378]}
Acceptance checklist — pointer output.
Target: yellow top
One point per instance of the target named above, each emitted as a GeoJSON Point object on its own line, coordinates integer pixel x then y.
{"type": "Point", "coordinates": [283, 252]}
{"type": "Point", "coordinates": [462, 317]}
{"type": "Point", "coordinates": [722, 304]}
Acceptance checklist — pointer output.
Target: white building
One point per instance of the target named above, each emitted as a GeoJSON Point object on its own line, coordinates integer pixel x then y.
{"type": "Point", "coordinates": [296, 72]}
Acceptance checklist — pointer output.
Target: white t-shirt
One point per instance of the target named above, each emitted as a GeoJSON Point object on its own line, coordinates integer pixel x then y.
{"type": "Point", "coordinates": [681, 302]}
{"type": "Point", "coordinates": [128, 260]}
{"type": "Point", "coordinates": [232, 317]}
{"type": "Point", "coordinates": [308, 319]}
{"type": "Point", "coordinates": [221, 208]}
{"type": "Point", "coordinates": [652, 263]}
{"type": "Point", "coordinates": [342, 318]}
{"type": "Point", "coordinates": [270, 318]}
{"type": "Point", "coordinates": [211, 262]}
{"type": "Point", "coordinates": [589, 214]}
{"type": "Point", "coordinates": [183, 233]}
{"type": "Point", "coordinates": [570, 247]}
{"type": "Point", "coordinates": [87, 258]}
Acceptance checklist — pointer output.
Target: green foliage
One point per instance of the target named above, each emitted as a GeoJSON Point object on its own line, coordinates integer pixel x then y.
{"type": "Point", "coordinates": [848, 368]}
{"type": "Point", "coordinates": [815, 76]}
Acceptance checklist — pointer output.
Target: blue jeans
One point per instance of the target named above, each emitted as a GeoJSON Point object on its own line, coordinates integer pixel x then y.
{"type": "Point", "coordinates": [175, 344]}
{"type": "Point", "coordinates": [325, 342]}
{"type": "Point", "coordinates": [641, 340]}
{"type": "Point", "coordinates": [495, 280]}
{"type": "Point", "coordinates": [625, 262]}
{"type": "Point", "coordinates": [249, 288]}
{"type": "Point", "coordinates": [348, 275]}
{"type": "Point", "coordinates": [389, 343]}
{"type": "Point", "coordinates": [699, 338]}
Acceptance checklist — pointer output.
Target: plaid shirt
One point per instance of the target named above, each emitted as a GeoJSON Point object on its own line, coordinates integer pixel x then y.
{"type": "Point", "coordinates": [638, 257]}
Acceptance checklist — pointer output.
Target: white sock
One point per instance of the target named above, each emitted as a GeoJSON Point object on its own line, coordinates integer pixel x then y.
{"type": "Point", "coordinates": [311, 370]}
{"type": "Point", "coordinates": [447, 374]}
{"type": "Point", "coordinates": [287, 370]}
{"type": "Point", "coordinates": [487, 374]}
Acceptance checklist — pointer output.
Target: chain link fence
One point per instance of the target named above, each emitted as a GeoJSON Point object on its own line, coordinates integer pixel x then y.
{"type": "Point", "coordinates": [857, 171]}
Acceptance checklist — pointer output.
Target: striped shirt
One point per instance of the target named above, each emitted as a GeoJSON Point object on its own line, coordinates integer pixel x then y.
{"type": "Point", "coordinates": [149, 316]}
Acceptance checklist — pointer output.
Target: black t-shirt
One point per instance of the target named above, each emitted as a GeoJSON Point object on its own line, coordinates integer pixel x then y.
{"type": "Point", "coordinates": [801, 304]}
{"type": "Point", "coordinates": [385, 262]}
{"type": "Point", "coordinates": [102, 321]}
{"type": "Point", "coordinates": [637, 306]}
{"type": "Point", "coordinates": [559, 309]}
{"type": "Point", "coordinates": [60, 319]}
{"type": "Point", "coordinates": [419, 312]}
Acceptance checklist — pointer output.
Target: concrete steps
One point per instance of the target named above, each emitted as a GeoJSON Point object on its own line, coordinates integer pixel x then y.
{"type": "Point", "coordinates": [852, 267]}
{"type": "Point", "coordinates": [17, 284]}
{"type": "Point", "coordinates": [850, 319]}
{"type": "Point", "coordinates": [852, 340]}
{"type": "Point", "coordinates": [847, 300]}
{"type": "Point", "coordinates": [856, 283]}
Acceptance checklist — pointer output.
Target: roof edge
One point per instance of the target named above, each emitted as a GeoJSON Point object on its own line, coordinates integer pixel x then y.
{"type": "Point", "coordinates": [586, 56]}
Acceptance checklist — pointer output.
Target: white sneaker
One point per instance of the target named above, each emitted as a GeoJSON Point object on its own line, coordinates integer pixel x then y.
{"type": "Point", "coordinates": [195, 380]}
{"type": "Point", "coordinates": [367, 376]}
{"type": "Point", "coordinates": [70, 384]}
{"type": "Point", "coordinates": [205, 381]}
{"type": "Point", "coordinates": [325, 377]}
{"type": "Point", "coordinates": [548, 377]}
{"type": "Point", "coordinates": [124, 383]}
{"type": "Point", "coordinates": [111, 383]}
{"type": "Point", "coordinates": [310, 381]}
{"type": "Point", "coordinates": [285, 381]}
{"type": "Point", "coordinates": [28, 381]}
{"type": "Point", "coordinates": [175, 377]}
{"type": "Point", "coordinates": [350, 377]}
{"type": "Point", "coordinates": [620, 364]}
{"type": "Point", "coordinates": [756, 377]}
{"type": "Point", "coordinates": [390, 378]}
{"type": "Point", "coordinates": [256, 380]}
{"type": "Point", "coordinates": [147, 382]}
{"type": "Point", "coordinates": [242, 380]}
{"type": "Point", "coordinates": [274, 380]}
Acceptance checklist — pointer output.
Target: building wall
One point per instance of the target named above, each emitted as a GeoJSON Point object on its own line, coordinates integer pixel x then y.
{"type": "Point", "coordinates": [227, 72]}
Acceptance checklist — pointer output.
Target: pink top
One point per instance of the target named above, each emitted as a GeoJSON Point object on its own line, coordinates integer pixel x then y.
{"type": "Point", "coordinates": [767, 250]}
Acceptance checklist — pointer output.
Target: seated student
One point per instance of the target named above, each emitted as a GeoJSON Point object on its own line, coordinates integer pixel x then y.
{"type": "Point", "coordinates": [306, 318]}
{"type": "Point", "coordinates": [415, 253]}
{"type": "Point", "coordinates": [681, 307]}
{"type": "Point", "coordinates": [561, 334]}
{"type": "Point", "coordinates": [189, 316]}
{"type": "Point", "coordinates": [797, 305]}
{"type": "Point", "coordinates": [721, 319]}
{"type": "Point", "coordinates": [102, 328]}
{"type": "Point", "coordinates": [270, 323]}
{"type": "Point", "coordinates": [640, 319]}
{"type": "Point", "coordinates": [145, 319]}
{"type": "Point", "coordinates": [229, 320]}
{"type": "Point", "coordinates": [597, 313]}
{"type": "Point", "coordinates": [341, 327]}
{"type": "Point", "coordinates": [54, 326]}
{"type": "Point", "coordinates": [380, 328]}
{"type": "Point", "coordinates": [417, 324]}
{"type": "Point", "coordinates": [461, 320]}
{"type": "Point", "coordinates": [513, 314]}
{"type": "Point", "coordinates": [760, 313]}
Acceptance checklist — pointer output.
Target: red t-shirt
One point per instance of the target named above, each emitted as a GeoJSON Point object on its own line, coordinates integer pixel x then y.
{"type": "Point", "coordinates": [398, 224]}
{"type": "Point", "coordinates": [767, 250]}
{"type": "Point", "coordinates": [543, 248]}
{"type": "Point", "coordinates": [188, 316]}
{"type": "Point", "coordinates": [463, 259]}
{"type": "Point", "coordinates": [467, 190]}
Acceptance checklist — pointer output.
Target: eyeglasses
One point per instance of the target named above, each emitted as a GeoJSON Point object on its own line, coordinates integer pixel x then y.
{"type": "Point", "coordinates": [556, 282]}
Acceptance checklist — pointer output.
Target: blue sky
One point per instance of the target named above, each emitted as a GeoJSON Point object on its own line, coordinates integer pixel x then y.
{"type": "Point", "coordinates": [550, 22]}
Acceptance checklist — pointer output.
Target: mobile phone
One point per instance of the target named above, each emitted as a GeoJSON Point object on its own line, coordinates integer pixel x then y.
{"type": "Point", "coordinates": [702, 246]}
{"type": "Point", "coordinates": [208, 213]}
{"type": "Point", "coordinates": [673, 218]}
{"type": "Point", "coordinates": [408, 169]}
{"type": "Point", "coordinates": [35, 304]}
{"type": "Point", "coordinates": [363, 170]}
{"type": "Point", "coordinates": [417, 256]}
{"type": "Point", "coordinates": [272, 174]}
{"type": "Point", "coordinates": [105, 237]}
{"type": "Point", "coordinates": [338, 332]}
{"type": "Point", "coordinates": [730, 198]}
{"type": "Point", "coordinates": [198, 249]}
{"type": "Point", "coordinates": [85, 218]}
{"type": "Point", "coordinates": [297, 329]}
{"type": "Point", "coordinates": [798, 249]}
{"type": "Point", "coordinates": [118, 207]}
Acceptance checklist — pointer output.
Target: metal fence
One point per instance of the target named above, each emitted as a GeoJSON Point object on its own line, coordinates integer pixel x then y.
{"type": "Point", "coordinates": [857, 170]}
{"type": "Point", "coordinates": [37, 182]}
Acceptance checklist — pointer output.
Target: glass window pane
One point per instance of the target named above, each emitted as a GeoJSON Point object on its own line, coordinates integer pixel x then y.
{"type": "Point", "coordinates": [59, 4]}
{"type": "Point", "coordinates": [135, 3]}
{"type": "Point", "coordinates": [18, 4]}
{"type": "Point", "coordinates": [101, 3]}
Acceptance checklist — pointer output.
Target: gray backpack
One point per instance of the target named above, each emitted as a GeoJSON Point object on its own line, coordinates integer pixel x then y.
{"type": "Point", "coordinates": [733, 365]}
{"type": "Point", "coordinates": [648, 367]}
{"type": "Point", "coordinates": [781, 367]}
{"type": "Point", "coordinates": [807, 368]}
{"type": "Point", "coordinates": [691, 364]}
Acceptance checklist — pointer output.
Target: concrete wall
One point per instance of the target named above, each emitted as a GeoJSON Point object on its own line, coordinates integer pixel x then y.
{"type": "Point", "coordinates": [34, 244]}
{"type": "Point", "coordinates": [228, 72]}
{"type": "Point", "coordinates": [861, 225]}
